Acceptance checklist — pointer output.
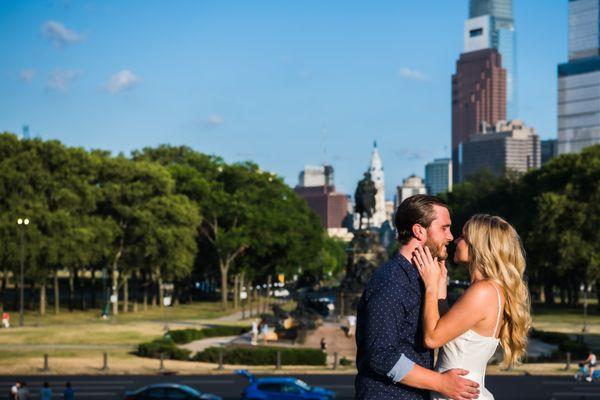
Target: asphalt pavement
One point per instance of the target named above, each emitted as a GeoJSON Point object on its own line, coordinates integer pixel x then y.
{"type": "Point", "coordinates": [112, 387]}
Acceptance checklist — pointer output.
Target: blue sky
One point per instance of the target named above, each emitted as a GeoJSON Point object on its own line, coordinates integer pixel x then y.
{"type": "Point", "coordinates": [276, 82]}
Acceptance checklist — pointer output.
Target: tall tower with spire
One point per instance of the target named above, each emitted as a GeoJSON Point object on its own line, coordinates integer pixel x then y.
{"type": "Point", "coordinates": [376, 170]}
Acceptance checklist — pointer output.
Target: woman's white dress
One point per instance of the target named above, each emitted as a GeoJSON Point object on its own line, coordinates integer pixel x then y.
{"type": "Point", "coordinates": [472, 352]}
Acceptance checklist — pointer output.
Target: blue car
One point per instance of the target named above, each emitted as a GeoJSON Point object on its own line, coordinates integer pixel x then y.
{"type": "Point", "coordinates": [281, 388]}
{"type": "Point", "coordinates": [168, 391]}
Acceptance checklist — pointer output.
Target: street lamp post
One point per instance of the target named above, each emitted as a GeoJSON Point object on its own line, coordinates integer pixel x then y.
{"type": "Point", "coordinates": [24, 222]}
{"type": "Point", "coordinates": [585, 290]}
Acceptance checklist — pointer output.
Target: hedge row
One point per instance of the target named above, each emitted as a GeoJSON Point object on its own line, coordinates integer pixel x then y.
{"type": "Point", "coordinates": [182, 336]}
{"type": "Point", "coordinates": [262, 356]}
{"type": "Point", "coordinates": [167, 347]}
{"type": "Point", "coordinates": [565, 343]}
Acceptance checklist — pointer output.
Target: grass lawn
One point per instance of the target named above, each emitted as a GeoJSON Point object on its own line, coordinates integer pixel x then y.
{"type": "Point", "coordinates": [565, 319]}
{"type": "Point", "coordinates": [86, 328]}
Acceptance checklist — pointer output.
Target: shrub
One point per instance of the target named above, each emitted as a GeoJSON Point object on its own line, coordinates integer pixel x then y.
{"type": "Point", "coordinates": [262, 356]}
{"type": "Point", "coordinates": [167, 347]}
{"type": "Point", "coordinates": [182, 336]}
{"type": "Point", "coordinates": [344, 362]}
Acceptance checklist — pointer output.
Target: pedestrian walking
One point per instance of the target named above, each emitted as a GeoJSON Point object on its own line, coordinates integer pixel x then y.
{"type": "Point", "coordinates": [46, 392]}
{"type": "Point", "coordinates": [68, 394]}
{"type": "Point", "coordinates": [14, 391]}
{"type": "Point", "coordinates": [23, 392]}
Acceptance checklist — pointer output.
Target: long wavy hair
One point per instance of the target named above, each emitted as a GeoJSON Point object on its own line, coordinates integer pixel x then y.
{"type": "Point", "coordinates": [496, 251]}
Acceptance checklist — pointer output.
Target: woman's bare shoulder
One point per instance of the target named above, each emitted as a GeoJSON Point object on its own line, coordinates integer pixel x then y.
{"type": "Point", "coordinates": [481, 291]}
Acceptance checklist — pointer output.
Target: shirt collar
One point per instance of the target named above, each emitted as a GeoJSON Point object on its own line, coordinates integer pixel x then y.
{"type": "Point", "coordinates": [411, 271]}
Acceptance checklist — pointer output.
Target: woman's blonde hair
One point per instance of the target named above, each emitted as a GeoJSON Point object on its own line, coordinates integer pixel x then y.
{"type": "Point", "coordinates": [496, 251]}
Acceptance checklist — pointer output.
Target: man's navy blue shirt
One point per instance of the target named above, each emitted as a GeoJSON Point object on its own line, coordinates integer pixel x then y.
{"type": "Point", "coordinates": [389, 326]}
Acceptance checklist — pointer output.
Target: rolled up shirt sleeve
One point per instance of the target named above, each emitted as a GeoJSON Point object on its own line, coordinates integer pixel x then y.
{"type": "Point", "coordinates": [384, 315]}
{"type": "Point", "coordinates": [401, 369]}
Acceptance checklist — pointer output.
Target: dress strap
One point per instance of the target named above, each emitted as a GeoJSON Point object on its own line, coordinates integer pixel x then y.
{"type": "Point", "coordinates": [499, 307]}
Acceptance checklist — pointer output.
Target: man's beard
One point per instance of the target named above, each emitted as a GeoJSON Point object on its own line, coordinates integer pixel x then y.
{"type": "Point", "coordinates": [437, 249]}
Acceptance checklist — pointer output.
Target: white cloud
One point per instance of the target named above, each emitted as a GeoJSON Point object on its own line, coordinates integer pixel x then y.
{"type": "Point", "coordinates": [59, 34]}
{"type": "Point", "coordinates": [122, 80]}
{"type": "Point", "coordinates": [27, 75]}
{"type": "Point", "coordinates": [59, 80]}
{"type": "Point", "coordinates": [214, 120]}
{"type": "Point", "coordinates": [412, 74]}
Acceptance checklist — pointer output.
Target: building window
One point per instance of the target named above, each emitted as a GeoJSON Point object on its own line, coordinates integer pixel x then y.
{"type": "Point", "coordinates": [476, 32]}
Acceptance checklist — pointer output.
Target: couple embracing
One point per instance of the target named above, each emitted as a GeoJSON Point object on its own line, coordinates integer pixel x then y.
{"type": "Point", "coordinates": [403, 314]}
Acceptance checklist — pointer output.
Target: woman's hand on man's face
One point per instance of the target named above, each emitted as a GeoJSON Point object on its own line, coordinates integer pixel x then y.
{"type": "Point", "coordinates": [428, 267]}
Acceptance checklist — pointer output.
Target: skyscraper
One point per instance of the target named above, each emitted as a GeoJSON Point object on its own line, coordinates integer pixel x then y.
{"type": "Point", "coordinates": [438, 176]}
{"type": "Point", "coordinates": [579, 80]}
{"type": "Point", "coordinates": [478, 98]}
{"type": "Point", "coordinates": [376, 170]}
{"type": "Point", "coordinates": [500, 36]}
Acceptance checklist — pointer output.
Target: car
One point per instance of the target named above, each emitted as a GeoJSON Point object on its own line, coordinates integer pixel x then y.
{"type": "Point", "coordinates": [281, 388]}
{"type": "Point", "coordinates": [168, 391]}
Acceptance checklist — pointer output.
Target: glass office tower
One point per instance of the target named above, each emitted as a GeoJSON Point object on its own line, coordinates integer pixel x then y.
{"type": "Point", "coordinates": [579, 80]}
{"type": "Point", "coordinates": [502, 37]}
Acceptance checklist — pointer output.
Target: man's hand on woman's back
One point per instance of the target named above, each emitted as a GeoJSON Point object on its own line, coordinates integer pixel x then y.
{"type": "Point", "coordinates": [454, 386]}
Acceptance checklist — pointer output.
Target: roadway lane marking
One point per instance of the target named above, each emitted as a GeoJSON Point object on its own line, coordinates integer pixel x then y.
{"type": "Point", "coordinates": [73, 382]}
{"type": "Point", "coordinates": [338, 386]}
{"type": "Point", "coordinates": [578, 394]}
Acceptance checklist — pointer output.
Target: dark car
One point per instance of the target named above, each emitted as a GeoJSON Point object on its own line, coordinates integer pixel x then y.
{"type": "Point", "coordinates": [282, 388]}
{"type": "Point", "coordinates": [170, 391]}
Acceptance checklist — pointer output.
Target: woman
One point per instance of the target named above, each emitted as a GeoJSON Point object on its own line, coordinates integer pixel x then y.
{"type": "Point", "coordinates": [494, 310]}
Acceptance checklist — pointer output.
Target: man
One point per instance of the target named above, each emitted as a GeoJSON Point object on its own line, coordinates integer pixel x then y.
{"type": "Point", "coordinates": [392, 361]}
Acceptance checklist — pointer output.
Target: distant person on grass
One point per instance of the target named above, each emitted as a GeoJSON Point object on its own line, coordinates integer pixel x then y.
{"type": "Point", "coordinates": [69, 394]}
{"type": "Point", "coordinates": [46, 392]}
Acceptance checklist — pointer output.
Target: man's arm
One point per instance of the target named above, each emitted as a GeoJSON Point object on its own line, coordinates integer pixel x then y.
{"type": "Point", "coordinates": [450, 384]}
{"type": "Point", "coordinates": [383, 313]}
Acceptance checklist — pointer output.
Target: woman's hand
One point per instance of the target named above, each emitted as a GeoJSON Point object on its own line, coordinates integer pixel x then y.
{"type": "Point", "coordinates": [428, 268]}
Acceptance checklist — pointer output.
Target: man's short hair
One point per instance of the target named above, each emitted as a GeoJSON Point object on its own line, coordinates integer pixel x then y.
{"type": "Point", "coordinates": [415, 210]}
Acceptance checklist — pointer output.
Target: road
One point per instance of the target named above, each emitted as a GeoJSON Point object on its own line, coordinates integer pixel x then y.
{"type": "Point", "coordinates": [109, 387]}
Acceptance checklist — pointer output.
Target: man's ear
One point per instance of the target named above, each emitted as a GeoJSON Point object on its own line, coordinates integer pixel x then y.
{"type": "Point", "coordinates": [419, 232]}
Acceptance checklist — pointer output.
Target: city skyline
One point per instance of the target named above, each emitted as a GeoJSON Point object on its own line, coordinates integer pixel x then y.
{"type": "Point", "coordinates": [276, 88]}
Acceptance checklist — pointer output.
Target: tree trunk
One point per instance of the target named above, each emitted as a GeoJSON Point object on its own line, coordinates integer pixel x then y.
{"type": "Point", "coordinates": [268, 299]}
{"type": "Point", "coordinates": [4, 286]}
{"type": "Point", "coordinates": [115, 278]}
{"type": "Point", "coordinates": [125, 280]}
{"type": "Point", "coordinates": [115, 290]}
{"type": "Point", "coordinates": [563, 294]}
{"type": "Point", "coordinates": [93, 290]}
{"type": "Point", "coordinates": [598, 292]}
{"type": "Point", "coordinates": [161, 295]}
{"type": "Point", "coordinates": [236, 293]}
{"type": "Point", "coordinates": [71, 289]}
{"type": "Point", "coordinates": [224, 268]}
{"type": "Point", "coordinates": [56, 290]}
{"type": "Point", "coordinates": [153, 292]}
{"type": "Point", "coordinates": [82, 291]}
{"type": "Point", "coordinates": [548, 291]}
{"type": "Point", "coordinates": [242, 289]}
{"type": "Point", "coordinates": [42, 299]}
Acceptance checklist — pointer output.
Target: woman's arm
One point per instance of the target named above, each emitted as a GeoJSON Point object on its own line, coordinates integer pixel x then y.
{"type": "Point", "coordinates": [463, 315]}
